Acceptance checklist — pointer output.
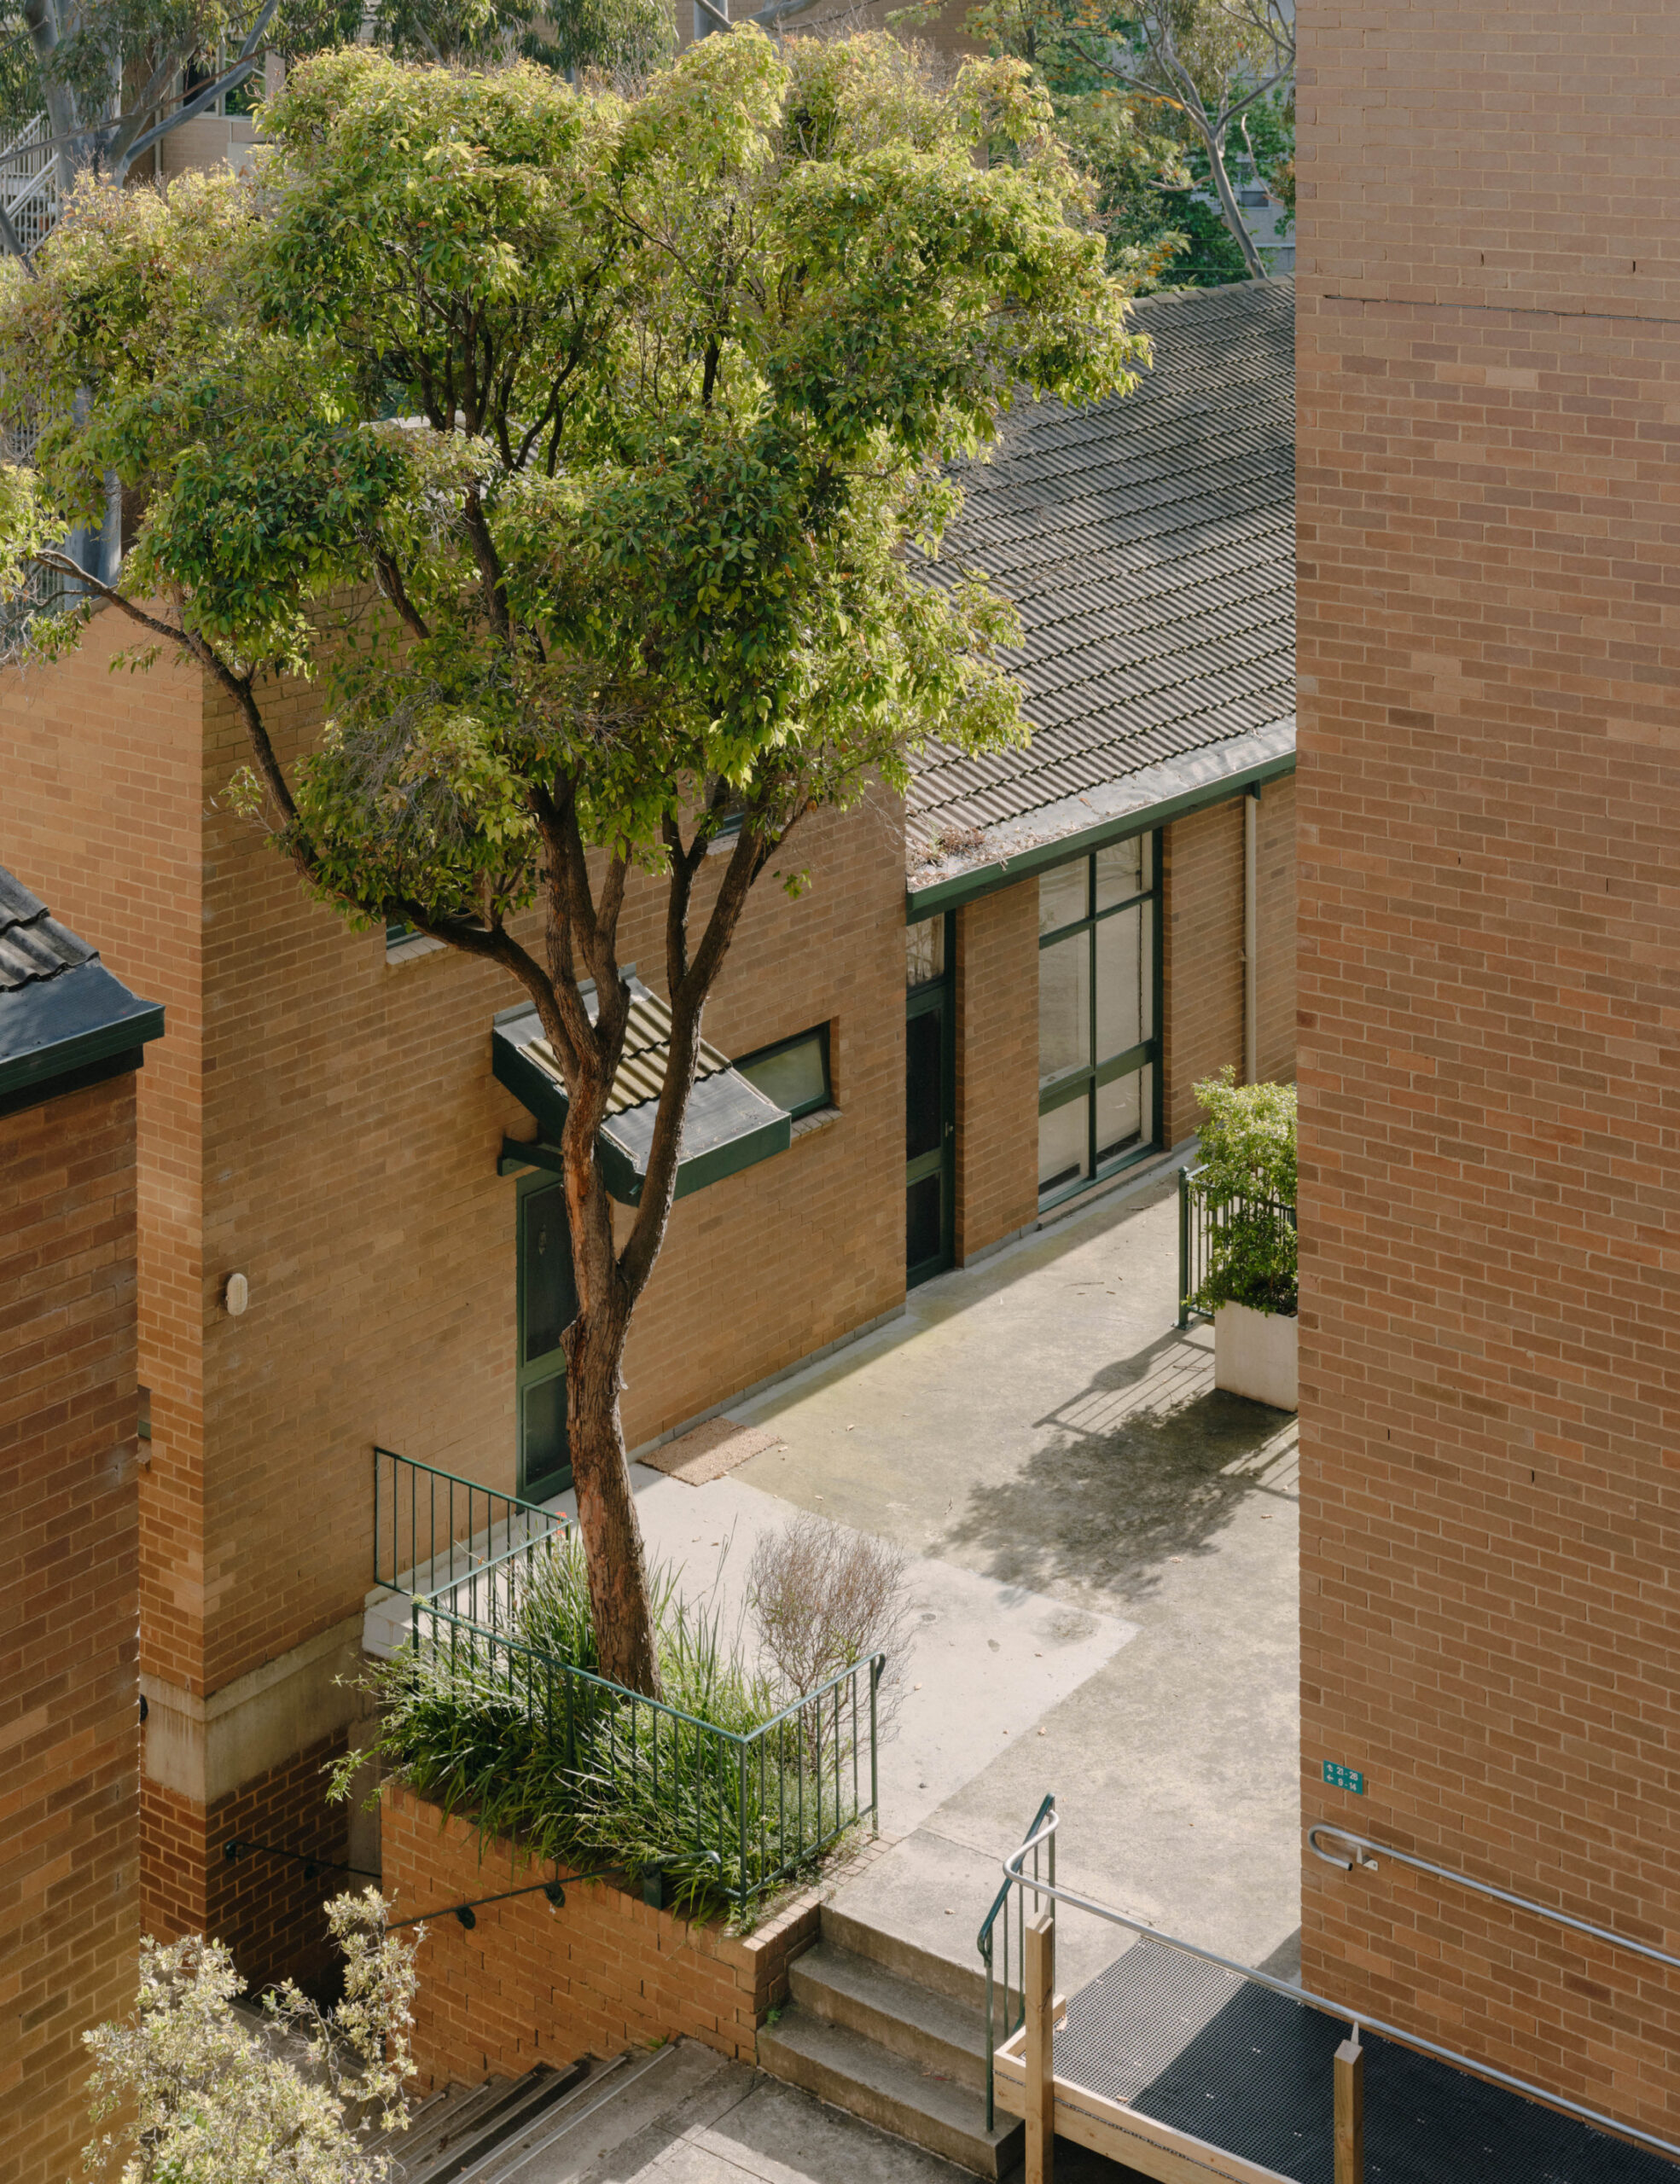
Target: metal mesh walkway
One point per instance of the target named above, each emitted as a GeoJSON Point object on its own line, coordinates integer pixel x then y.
{"type": "Point", "coordinates": [1204, 2052]}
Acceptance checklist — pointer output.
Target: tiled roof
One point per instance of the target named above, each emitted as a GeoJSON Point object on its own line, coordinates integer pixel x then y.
{"type": "Point", "coordinates": [33, 945]}
{"type": "Point", "coordinates": [1149, 542]}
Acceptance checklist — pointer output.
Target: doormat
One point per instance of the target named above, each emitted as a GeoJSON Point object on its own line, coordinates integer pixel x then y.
{"type": "Point", "coordinates": [709, 1450]}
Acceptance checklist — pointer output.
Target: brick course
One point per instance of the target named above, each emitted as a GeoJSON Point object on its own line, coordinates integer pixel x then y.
{"type": "Point", "coordinates": [530, 1984]}
{"type": "Point", "coordinates": [69, 1687]}
{"type": "Point", "coordinates": [1489, 382]}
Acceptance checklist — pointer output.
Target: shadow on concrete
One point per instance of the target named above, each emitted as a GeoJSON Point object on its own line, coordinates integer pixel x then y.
{"type": "Point", "coordinates": [1147, 1463]}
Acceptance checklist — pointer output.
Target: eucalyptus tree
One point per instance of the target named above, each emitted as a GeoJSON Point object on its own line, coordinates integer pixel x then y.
{"type": "Point", "coordinates": [582, 450]}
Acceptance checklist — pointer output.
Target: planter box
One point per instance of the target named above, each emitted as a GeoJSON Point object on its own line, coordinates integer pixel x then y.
{"type": "Point", "coordinates": [1257, 1354]}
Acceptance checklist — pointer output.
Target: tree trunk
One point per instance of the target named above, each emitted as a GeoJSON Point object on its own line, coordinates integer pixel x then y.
{"type": "Point", "coordinates": [623, 1623]}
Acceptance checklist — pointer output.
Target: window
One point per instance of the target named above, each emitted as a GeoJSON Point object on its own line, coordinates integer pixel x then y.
{"type": "Point", "coordinates": [1099, 1048]}
{"type": "Point", "coordinates": [794, 1073]}
{"type": "Point", "coordinates": [924, 953]}
{"type": "Point", "coordinates": [547, 1306]}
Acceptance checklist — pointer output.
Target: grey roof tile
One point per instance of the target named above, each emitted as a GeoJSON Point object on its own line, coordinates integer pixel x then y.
{"type": "Point", "coordinates": [33, 944]}
{"type": "Point", "coordinates": [1149, 542]}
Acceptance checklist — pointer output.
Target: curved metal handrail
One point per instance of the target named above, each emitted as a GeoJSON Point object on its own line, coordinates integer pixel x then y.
{"type": "Point", "coordinates": [1480, 1887]}
{"type": "Point", "coordinates": [1524, 2086]}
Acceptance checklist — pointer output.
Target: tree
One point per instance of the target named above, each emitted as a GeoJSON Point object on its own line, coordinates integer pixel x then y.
{"type": "Point", "coordinates": [194, 2093]}
{"type": "Point", "coordinates": [1181, 76]}
{"type": "Point", "coordinates": [585, 448]}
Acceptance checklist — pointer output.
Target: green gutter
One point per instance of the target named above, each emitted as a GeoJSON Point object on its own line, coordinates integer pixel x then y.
{"type": "Point", "coordinates": [65, 1057]}
{"type": "Point", "coordinates": [987, 878]}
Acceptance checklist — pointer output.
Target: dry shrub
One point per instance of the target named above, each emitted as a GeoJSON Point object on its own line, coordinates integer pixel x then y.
{"type": "Point", "coordinates": [824, 1599]}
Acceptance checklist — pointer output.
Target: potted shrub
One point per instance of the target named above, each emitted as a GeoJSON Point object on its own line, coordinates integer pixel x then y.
{"type": "Point", "coordinates": [1246, 1187]}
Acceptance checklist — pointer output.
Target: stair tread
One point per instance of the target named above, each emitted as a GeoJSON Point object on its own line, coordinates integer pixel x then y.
{"type": "Point", "coordinates": [441, 2131]}
{"type": "Point", "coordinates": [891, 1994]}
{"type": "Point", "coordinates": [959, 1977]}
{"type": "Point", "coordinates": [957, 2108]}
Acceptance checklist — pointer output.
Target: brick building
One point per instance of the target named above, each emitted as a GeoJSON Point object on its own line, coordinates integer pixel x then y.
{"type": "Point", "coordinates": [1490, 384]}
{"type": "Point", "coordinates": [353, 1124]}
{"type": "Point", "coordinates": [71, 1041]}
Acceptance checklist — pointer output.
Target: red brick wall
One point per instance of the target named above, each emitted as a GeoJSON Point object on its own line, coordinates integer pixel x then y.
{"type": "Point", "coordinates": [531, 1985]}
{"type": "Point", "coordinates": [1276, 916]}
{"type": "Point", "coordinates": [1489, 380]}
{"type": "Point", "coordinates": [1201, 958]}
{"type": "Point", "coordinates": [997, 1066]}
{"type": "Point", "coordinates": [69, 1687]}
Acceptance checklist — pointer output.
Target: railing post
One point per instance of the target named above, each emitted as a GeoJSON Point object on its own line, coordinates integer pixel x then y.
{"type": "Point", "coordinates": [1184, 1247]}
{"type": "Point", "coordinates": [1038, 1979]}
{"type": "Point", "coordinates": [1350, 2067]}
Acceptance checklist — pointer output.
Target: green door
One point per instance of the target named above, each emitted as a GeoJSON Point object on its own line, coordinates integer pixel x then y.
{"type": "Point", "coordinates": [930, 1111]}
{"type": "Point", "coordinates": [548, 1304]}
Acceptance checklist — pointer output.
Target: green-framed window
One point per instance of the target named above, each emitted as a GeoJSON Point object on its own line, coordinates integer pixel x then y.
{"type": "Point", "coordinates": [794, 1073]}
{"type": "Point", "coordinates": [1098, 1014]}
{"type": "Point", "coordinates": [547, 1306]}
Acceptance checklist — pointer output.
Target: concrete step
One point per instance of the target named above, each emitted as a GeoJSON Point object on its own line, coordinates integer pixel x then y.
{"type": "Point", "coordinates": [843, 2067]}
{"type": "Point", "coordinates": [925, 2027]}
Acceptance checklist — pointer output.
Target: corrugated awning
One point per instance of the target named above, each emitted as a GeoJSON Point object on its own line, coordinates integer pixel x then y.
{"type": "Point", "coordinates": [730, 1124]}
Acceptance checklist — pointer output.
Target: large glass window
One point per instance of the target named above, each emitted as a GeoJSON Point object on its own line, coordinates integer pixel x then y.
{"type": "Point", "coordinates": [1099, 1045]}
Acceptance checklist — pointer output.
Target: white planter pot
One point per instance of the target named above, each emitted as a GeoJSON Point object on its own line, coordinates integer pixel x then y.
{"type": "Point", "coordinates": [1257, 1354]}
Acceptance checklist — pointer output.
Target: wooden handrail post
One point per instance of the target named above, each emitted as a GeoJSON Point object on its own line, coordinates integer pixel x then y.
{"type": "Point", "coordinates": [1350, 2111]}
{"type": "Point", "coordinates": [1038, 1980]}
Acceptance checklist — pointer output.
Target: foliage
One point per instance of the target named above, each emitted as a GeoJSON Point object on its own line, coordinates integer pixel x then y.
{"type": "Point", "coordinates": [1148, 97]}
{"type": "Point", "coordinates": [193, 2095]}
{"type": "Point", "coordinates": [519, 1733]}
{"type": "Point", "coordinates": [824, 1598]}
{"type": "Point", "coordinates": [624, 39]}
{"type": "Point", "coordinates": [588, 451]}
{"type": "Point", "coordinates": [1247, 1178]}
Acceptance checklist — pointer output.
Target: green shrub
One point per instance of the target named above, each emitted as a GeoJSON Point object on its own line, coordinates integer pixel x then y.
{"type": "Point", "coordinates": [1247, 1181]}
{"type": "Point", "coordinates": [518, 1732]}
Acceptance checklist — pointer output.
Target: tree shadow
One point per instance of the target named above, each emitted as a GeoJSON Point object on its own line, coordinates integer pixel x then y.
{"type": "Point", "coordinates": [1148, 1462]}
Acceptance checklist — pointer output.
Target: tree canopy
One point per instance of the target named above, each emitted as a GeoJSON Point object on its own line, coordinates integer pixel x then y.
{"type": "Point", "coordinates": [584, 450]}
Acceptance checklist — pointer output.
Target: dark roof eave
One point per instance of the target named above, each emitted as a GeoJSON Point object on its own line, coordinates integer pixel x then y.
{"type": "Point", "coordinates": [1156, 795]}
{"type": "Point", "coordinates": [62, 1027]}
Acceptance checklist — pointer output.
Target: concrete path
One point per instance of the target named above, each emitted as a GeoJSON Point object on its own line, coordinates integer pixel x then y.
{"type": "Point", "coordinates": [1109, 1546]}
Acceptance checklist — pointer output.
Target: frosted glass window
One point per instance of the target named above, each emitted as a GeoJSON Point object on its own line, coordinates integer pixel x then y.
{"type": "Point", "coordinates": [1064, 1148]}
{"type": "Point", "coordinates": [1120, 873]}
{"type": "Point", "coordinates": [1064, 1006]}
{"type": "Point", "coordinates": [1122, 982]}
{"type": "Point", "coordinates": [1063, 896]}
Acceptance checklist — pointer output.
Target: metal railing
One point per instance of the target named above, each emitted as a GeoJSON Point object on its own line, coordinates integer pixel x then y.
{"type": "Point", "coordinates": [1203, 1220]}
{"type": "Point", "coordinates": [29, 183]}
{"type": "Point", "coordinates": [1014, 2004]}
{"type": "Point", "coordinates": [755, 1806]}
{"type": "Point", "coordinates": [433, 1531]}
{"type": "Point", "coordinates": [1042, 1832]}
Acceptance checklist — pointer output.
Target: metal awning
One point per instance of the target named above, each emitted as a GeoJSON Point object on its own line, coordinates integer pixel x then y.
{"type": "Point", "coordinates": [730, 1124]}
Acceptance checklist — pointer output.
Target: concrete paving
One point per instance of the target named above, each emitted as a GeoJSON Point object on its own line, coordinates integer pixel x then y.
{"type": "Point", "coordinates": [1038, 1423]}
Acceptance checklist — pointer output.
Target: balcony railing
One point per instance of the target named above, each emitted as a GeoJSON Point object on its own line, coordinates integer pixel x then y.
{"type": "Point", "coordinates": [433, 1531]}
{"type": "Point", "coordinates": [1205, 1217]}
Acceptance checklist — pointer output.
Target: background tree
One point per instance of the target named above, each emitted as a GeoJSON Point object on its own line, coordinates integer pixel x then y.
{"type": "Point", "coordinates": [584, 448]}
{"type": "Point", "coordinates": [1150, 98]}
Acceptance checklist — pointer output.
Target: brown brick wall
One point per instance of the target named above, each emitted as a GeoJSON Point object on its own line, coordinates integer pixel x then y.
{"type": "Point", "coordinates": [100, 818]}
{"type": "Point", "coordinates": [1491, 1522]}
{"type": "Point", "coordinates": [997, 1066]}
{"type": "Point", "coordinates": [1202, 957]}
{"type": "Point", "coordinates": [1276, 914]}
{"type": "Point", "coordinates": [69, 1687]}
{"type": "Point", "coordinates": [604, 1972]}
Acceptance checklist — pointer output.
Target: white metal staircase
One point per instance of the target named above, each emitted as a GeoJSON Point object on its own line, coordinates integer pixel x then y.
{"type": "Point", "coordinates": [29, 183]}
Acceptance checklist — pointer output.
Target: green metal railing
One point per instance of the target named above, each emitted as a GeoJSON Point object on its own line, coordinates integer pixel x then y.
{"type": "Point", "coordinates": [1009, 1911]}
{"type": "Point", "coordinates": [757, 1805]}
{"type": "Point", "coordinates": [1203, 1218]}
{"type": "Point", "coordinates": [433, 1530]}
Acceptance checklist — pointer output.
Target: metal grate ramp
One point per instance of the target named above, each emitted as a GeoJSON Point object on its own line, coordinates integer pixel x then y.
{"type": "Point", "coordinates": [1244, 2069]}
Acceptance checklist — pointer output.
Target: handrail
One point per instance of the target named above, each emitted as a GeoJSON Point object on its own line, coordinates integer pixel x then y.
{"type": "Point", "coordinates": [1011, 1866]}
{"type": "Point", "coordinates": [435, 1514]}
{"type": "Point", "coordinates": [1481, 1888]}
{"type": "Point", "coordinates": [983, 1943]}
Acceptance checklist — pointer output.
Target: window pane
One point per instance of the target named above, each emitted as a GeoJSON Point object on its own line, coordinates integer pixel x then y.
{"type": "Point", "coordinates": [1063, 898]}
{"type": "Point", "coordinates": [922, 1221]}
{"type": "Point", "coordinates": [1120, 1115]}
{"type": "Point", "coordinates": [924, 951]}
{"type": "Point", "coordinates": [1121, 976]}
{"type": "Point", "coordinates": [544, 1408]}
{"type": "Point", "coordinates": [1064, 1006]}
{"type": "Point", "coordinates": [797, 1078]}
{"type": "Point", "coordinates": [1120, 871]}
{"type": "Point", "coordinates": [550, 1301]}
{"type": "Point", "coordinates": [1064, 1145]}
{"type": "Point", "coordinates": [924, 1064]}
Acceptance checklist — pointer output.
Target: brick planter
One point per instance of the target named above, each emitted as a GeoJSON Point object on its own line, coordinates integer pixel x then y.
{"type": "Point", "coordinates": [529, 1984]}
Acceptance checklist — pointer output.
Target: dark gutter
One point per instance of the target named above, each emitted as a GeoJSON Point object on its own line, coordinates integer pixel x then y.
{"type": "Point", "coordinates": [1043, 856]}
{"type": "Point", "coordinates": [65, 1027]}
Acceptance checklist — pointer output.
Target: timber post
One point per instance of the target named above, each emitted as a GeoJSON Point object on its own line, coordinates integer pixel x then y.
{"type": "Point", "coordinates": [1038, 1981]}
{"type": "Point", "coordinates": [1350, 2067]}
